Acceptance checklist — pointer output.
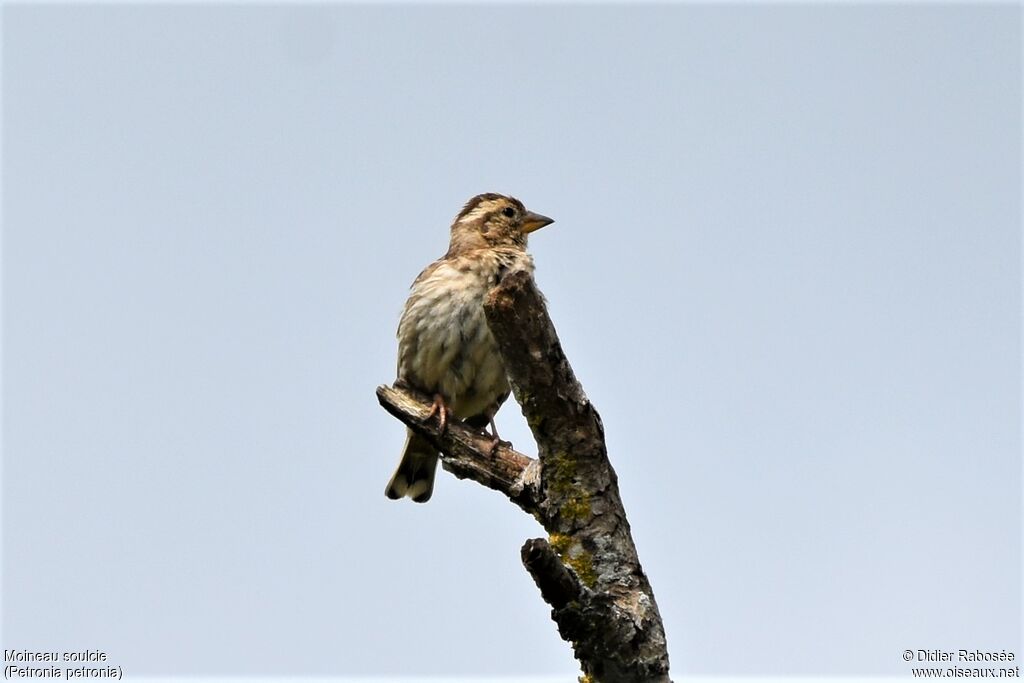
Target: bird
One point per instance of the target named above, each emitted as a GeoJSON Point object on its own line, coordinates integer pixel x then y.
{"type": "Point", "coordinates": [445, 348]}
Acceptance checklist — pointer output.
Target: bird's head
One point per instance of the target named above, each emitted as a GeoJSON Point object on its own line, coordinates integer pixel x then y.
{"type": "Point", "coordinates": [493, 220]}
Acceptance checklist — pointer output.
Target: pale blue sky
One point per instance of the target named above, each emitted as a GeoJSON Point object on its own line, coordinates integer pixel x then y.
{"type": "Point", "coordinates": [786, 268]}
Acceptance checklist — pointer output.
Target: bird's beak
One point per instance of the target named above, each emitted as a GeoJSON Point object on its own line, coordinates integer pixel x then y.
{"type": "Point", "coordinates": [534, 221]}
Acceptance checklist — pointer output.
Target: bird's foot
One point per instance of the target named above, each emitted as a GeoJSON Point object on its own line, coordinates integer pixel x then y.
{"type": "Point", "coordinates": [495, 443]}
{"type": "Point", "coordinates": [495, 439]}
{"type": "Point", "coordinates": [441, 410]}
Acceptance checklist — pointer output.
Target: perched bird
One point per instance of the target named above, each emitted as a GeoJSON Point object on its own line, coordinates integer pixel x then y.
{"type": "Point", "coordinates": [445, 348]}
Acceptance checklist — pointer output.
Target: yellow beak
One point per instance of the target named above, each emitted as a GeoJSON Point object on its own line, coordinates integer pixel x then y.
{"type": "Point", "coordinates": [534, 221]}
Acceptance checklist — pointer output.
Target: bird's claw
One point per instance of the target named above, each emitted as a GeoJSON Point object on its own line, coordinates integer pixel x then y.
{"type": "Point", "coordinates": [441, 410]}
{"type": "Point", "coordinates": [495, 439]}
{"type": "Point", "coordinates": [495, 444]}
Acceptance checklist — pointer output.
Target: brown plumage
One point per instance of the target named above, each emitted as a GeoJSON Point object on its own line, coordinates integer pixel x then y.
{"type": "Point", "coordinates": [445, 348]}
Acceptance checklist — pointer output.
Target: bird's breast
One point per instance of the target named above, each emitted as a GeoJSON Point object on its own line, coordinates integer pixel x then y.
{"type": "Point", "coordinates": [445, 345]}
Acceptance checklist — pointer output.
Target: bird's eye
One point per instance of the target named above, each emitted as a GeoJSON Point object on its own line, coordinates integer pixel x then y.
{"type": "Point", "coordinates": [508, 211]}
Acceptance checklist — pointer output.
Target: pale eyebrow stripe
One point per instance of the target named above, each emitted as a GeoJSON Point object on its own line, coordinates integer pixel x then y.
{"type": "Point", "coordinates": [482, 209]}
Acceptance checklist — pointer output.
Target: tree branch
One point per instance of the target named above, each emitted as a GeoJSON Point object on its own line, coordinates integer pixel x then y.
{"type": "Point", "coordinates": [465, 452]}
{"type": "Point", "coordinates": [588, 569]}
{"type": "Point", "coordinates": [558, 586]}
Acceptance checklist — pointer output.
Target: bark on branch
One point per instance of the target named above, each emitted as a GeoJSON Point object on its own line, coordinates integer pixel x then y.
{"type": "Point", "coordinates": [466, 453]}
{"type": "Point", "coordinates": [587, 570]}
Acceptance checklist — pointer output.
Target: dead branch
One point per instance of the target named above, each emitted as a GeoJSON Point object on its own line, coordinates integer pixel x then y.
{"type": "Point", "coordinates": [587, 570]}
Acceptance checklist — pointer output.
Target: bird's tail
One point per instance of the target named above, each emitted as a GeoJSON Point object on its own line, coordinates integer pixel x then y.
{"type": "Point", "coordinates": [415, 474]}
